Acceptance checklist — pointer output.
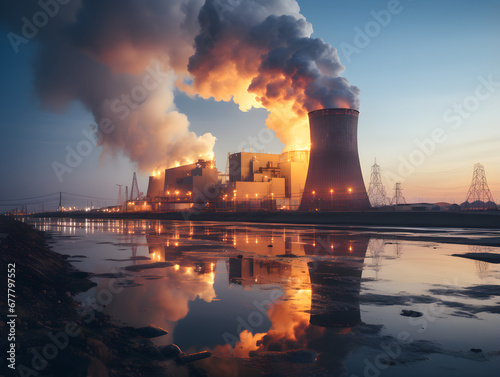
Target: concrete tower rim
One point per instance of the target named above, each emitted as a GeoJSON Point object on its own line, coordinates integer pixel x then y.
{"type": "Point", "coordinates": [333, 111]}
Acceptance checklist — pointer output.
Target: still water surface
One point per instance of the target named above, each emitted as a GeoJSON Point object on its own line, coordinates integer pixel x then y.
{"type": "Point", "coordinates": [244, 289]}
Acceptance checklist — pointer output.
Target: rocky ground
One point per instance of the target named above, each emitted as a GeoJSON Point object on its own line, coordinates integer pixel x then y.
{"type": "Point", "coordinates": [51, 338]}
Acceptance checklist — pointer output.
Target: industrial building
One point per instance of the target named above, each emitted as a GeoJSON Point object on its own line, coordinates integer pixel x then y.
{"type": "Point", "coordinates": [179, 188]}
{"type": "Point", "coordinates": [326, 178]}
{"type": "Point", "coordinates": [267, 181]}
{"type": "Point", "coordinates": [255, 181]}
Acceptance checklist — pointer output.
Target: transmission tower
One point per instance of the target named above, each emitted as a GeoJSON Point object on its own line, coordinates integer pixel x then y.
{"type": "Point", "coordinates": [479, 190]}
{"type": "Point", "coordinates": [398, 195]}
{"type": "Point", "coordinates": [119, 202]}
{"type": "Point", "coordinates": [126, 193]}
{"type": "Point", "coordinates": [376, 190]}
{"type": "Point", "coordinates": [134, 191]}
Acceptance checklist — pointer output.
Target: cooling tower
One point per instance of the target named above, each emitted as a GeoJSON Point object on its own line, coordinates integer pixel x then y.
{"type": "Point", "coordinates": [156, 185]}
{"type": "Point", "coordinates": [334, 180]}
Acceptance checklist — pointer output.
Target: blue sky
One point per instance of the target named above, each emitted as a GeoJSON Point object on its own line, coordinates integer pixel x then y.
{"type": "Point", "coordinates": [428, 58]}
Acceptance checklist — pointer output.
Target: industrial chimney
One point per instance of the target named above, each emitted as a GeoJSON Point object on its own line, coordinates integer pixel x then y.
{"type": "Point", "coordinates": [334, 180]}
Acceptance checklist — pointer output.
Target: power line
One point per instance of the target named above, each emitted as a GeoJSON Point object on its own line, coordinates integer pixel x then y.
{"type": "Point", "coordinates": [86, 196]}
{"type": "Point", "coordinates": [30, 198]}
{"type": "Point", "coordinates": [27, 203]}
{"type": "Point", "coordinates": [56, 197]}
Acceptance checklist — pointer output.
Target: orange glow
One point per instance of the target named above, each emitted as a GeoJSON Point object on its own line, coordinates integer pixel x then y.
{"type": "Point", "coordinates": [341, 104]}
{"type": "Point", "coordinates": [314, 192]}
{"type": "Point", "coordinates": [350, 189]}
{"type": "Point", "coordinates": [331, 191]}
{"type": "Point", "coordinates": [345, 330]}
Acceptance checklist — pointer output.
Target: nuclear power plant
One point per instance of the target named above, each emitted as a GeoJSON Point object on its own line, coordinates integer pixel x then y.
{"type": "Point", "coordinates": [327, 177]}
{"type": "Point", "coordinates": [334, 180]}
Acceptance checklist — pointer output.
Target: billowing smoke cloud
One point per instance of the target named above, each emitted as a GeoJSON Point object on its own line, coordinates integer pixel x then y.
{"type": "Point", "coordinates": [125, 61]}
{"type": "Point", "coordinates": [120, 59]}
{"type": "Point", "coordinates": [261, 53]}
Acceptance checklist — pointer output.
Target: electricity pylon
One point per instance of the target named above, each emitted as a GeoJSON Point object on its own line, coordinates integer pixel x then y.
{"type": "Point", "coordinates": [479, 190]}
{"type": "Point", "coordinates": [398, 195]}
{"type": "Point", "coordinates": [376, 190]}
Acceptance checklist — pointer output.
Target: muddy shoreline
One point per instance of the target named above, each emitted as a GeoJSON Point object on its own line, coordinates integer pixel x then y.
{"type": "Point", "coordinates": [51, 337]}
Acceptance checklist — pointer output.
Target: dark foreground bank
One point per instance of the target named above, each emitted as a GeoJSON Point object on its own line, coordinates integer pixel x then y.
{"type": "Point", "coordinates": [48, 337]}
{"type": "Point", "coordinates": [484, 219]}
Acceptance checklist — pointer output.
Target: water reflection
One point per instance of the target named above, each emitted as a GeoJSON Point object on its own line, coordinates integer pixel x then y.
{"type": "Point", "coordinates": [220, 291]}
{"type": "Point", "coordinates": [318, 272]}
{"type": "Point", "coordinates": [481, 266]}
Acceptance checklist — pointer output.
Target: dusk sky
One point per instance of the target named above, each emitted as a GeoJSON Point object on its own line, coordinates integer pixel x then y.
{"type": "Point", "coordinates": [428, 74]}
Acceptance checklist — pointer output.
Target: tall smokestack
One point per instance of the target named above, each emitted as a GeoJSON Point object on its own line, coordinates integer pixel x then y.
{"type": "Point", "coordinates": [334, 180]}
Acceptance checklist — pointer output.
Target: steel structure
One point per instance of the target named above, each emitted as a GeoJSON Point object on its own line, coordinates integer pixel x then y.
{"type": "Point", "coordinates": [134, 191]}
{"type": "Point", "coordinates": [398, 197]}
{"type": "Point", "coordinates": [334, 180]}
{"type": "Point", "coordinates": [376, 190]}
{"type": "Point", "coordinates": [479, 193]}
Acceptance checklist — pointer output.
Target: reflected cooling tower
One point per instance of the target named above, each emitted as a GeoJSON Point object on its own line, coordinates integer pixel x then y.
{"type": "Point", "coordinates": [334, 180]}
